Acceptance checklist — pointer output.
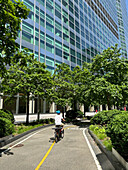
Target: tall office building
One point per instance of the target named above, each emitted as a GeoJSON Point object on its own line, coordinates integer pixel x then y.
{"type": "Point", "coordinates": [123, 26]}
{"type": "Point", "coordinates": [70, 31]}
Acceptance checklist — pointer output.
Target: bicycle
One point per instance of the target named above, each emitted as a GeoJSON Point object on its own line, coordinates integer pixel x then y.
{"type": "Point", "coordinates": [58, 133]}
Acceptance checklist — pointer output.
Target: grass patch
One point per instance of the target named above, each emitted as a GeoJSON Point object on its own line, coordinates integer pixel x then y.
{"type": "Point", "coordinates": [23, 127]}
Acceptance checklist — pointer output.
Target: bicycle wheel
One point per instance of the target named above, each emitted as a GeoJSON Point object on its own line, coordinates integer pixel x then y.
{"type": "Point", "coordinates": [56, 138]}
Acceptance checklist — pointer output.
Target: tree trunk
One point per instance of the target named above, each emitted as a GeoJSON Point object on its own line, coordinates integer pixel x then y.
{"type": "Point", "coordinates": [38, 109]}
{"type": "Point", "coordinates": [27, 116]}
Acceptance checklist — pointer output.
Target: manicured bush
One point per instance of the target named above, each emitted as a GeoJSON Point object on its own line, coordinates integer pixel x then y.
{"type": "Point", "coordinates": [6, 127]}
{"type": "Point", "coordinates": [71, 114]}
{"type": "Point", "coordinates": [79, 114]}
{"type": "Point", "coordinates": [104, 117]}
{"type": "Point", "coordinates": [7, 114]}
{"type": "Point", "coordinates": [117, 130]}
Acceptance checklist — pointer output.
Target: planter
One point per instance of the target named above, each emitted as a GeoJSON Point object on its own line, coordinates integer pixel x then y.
{"type": "Point", "coordinates": [116, 162]}
{"type": "Point", "coordinates": [120, 158]}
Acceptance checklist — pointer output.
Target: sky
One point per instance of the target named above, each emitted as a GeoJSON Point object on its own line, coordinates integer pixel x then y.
{"type": "Point", "coordinates": [127, 6]}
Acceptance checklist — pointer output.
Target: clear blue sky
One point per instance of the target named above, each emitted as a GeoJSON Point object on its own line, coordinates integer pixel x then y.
{"type": "Point", "coordinates": [127, 6]}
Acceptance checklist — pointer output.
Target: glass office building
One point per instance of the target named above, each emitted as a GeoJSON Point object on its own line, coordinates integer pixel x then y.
{"type": "Point", "coordinates": [69, 31]}
{"type": "Point", "coordinates": [123, 25]}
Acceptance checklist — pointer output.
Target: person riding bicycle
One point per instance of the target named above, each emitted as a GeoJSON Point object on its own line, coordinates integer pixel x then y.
{"type": "Point", "coordinates": [59, 119]}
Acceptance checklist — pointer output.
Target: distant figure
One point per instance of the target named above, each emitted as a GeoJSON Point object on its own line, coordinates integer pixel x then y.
{"type": "Point", "coordinates": [96, 110]}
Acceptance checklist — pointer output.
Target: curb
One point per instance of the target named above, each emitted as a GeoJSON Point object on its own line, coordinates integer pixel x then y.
{"type": "Point", "coordinates": [6, 140]}
{"type": "Point", "coordinates": [115, 162]}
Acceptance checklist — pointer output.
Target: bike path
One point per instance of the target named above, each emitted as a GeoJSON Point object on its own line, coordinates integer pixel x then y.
{"type": "Point", "coordinates": [71, 153]}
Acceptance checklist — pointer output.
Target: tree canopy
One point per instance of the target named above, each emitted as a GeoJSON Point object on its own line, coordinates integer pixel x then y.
{"type": "Point", "coordinates": [11, 13]}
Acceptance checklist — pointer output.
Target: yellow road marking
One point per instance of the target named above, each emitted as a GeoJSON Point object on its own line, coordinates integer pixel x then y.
{"type": "Point", "coordinates": [42, 161]}
{"type": "Point", "coordinates": [45, 156]}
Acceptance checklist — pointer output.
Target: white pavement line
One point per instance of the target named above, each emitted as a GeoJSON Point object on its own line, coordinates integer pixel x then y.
{"type": "Point", "coordinates": [92, 152]}
{"type": "Point", "coordinates": [24, 140]}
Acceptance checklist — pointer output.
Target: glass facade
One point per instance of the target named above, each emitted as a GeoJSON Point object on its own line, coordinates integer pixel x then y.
{"type": "Point", "coordinates": [123, 26]}
{"type": "Point", "coordinates": [69, 31]}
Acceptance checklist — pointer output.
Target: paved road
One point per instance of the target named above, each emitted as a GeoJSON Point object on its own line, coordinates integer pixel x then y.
{"type": "Point", "coordinates": [71, 153]}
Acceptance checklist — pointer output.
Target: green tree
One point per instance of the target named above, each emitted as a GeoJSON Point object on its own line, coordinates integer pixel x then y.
{"type": "Point", "coordinates": [11, 14]}
{"type": "Point", "coordinates": [62, 87]}
{"type": "Point", "coordinates": [27, 76]}
{"type": "Point", "coordinates": [109, 80]}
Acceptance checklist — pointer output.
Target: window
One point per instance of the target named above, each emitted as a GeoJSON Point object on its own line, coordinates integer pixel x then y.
{"type": "Point", "coordinates": [27, 37]}
{"type": "Point", "coordinates": [49, 61]}
{"type": "Point", "coordinates": [49, 40]}
{"type": "Point", "coordinates": [65, 30]}
{"type": "Point", "coordinates": [42, 23]}
{"type": "Point", "coordinates": [72, 35]}
{"type": "Point", "coordinates": [79, 62]}
{"type": "Point", "coordinates": [58, 32]}
{"type": "Point", "coordinates": [73, 59]}
{"type": "Point", "coordinates": [58, 14]}
{"type": "Point", "coordinates": [42, 44]}
{"type": "Point", "coordinates": [42, 58]}
{"type": "Point", "coordinates": [58, 52]}
{"type": "Point", "coordinates": [66, 48]}
{"type": "Point", "coordinates": [27, 27]}
{"type": "Point", "coordinates": [65, 37]}
{"type": "Point", "coordinates": [49, 27]}
{"type": "Point", "coordinates": [71, 25]}
{"type": "Point", "coordinates": [49, 7]}
{"type": "Point", "coordinates": [58, 44]}
{"type": "Point", "coordinates": [49, 19]}
{"type": "Point", "coordinates": [41, 2]}
{"type": "Point", "coordinates": [78, 55]}
{"type": "Point", "coordinates": [50, 48]}
{"type": "Point", "coordinates": [72, 52]}
{"type": "Point", "coordinates": [72, 41]}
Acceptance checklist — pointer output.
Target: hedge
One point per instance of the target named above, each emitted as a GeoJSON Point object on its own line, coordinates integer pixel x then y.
{"type": "Point", "coordinates": [7, 114]}
{"type": "Point", "coordinates": [6, 127]}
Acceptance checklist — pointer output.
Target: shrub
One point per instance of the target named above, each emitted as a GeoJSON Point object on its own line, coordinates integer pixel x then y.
{"type": "Point", "coordinates": [6, 127]}
{"type": "Point", "coordinates": [7, 114]}
{"type": "Point", "coordinates": [104, 117]}
{"type": "Point", "coordinates": [117, 130]}
{"type": "Point", "coordinates": [79, 114]}
{"type": "Point", "coordinates": [71, 114]}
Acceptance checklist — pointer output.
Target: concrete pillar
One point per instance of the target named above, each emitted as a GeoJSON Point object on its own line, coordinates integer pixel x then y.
{"type": "Point", "coordinates": [1, 103]}
{"type": "Point", "coordinates": [31, 106]}
{"type": "Point", "coordinates": [101, 108]}
{"type": "Point", "coordinates": [91, 108]}
{"type": "Point", "coordinates": [112, 107]}
{"type": "Point", "coordinates": [106, 107]}
{"type": "Point", "coordinates": [44, 106]}
{"type": "Point", "coordinates": [52, 108]}
{"type": "Point", "coordinates": [68, 107]}
{"type": "Point", "coordinates": [82, 108]}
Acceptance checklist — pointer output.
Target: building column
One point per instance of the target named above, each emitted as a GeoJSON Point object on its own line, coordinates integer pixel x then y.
{"type": "Point", "coordinates": [91, 108]}
{"type": "Point", "coordinates": [44, 106]}
{"type": "Point", "coordinates": [112, 107]}
{"type": "Point", "coordinates": [1, 102]}
{"type": "Point", "coordinates": [82, 108]}
{"type": "Point", "coordinates": [52, 108]}
{"type": "Point", "coordinates": [101, 108]}
{"type": "Point", "coordinates": [68, 107]}
{"type": "Point", "coordinates": [106, 107]}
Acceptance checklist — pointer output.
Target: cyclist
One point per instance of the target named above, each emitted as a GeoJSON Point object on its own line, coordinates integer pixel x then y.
{"type": "Point", "coordinates": [59, 119]}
